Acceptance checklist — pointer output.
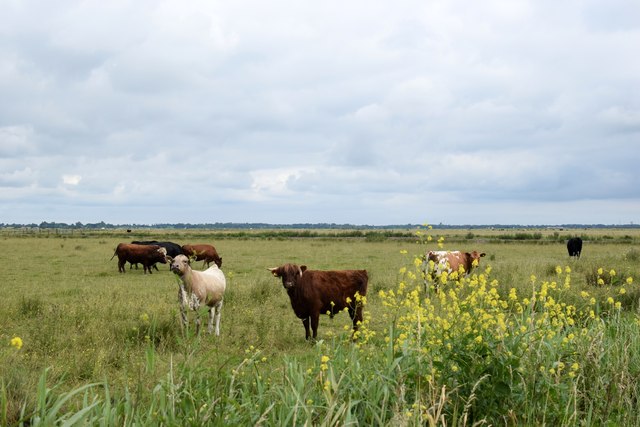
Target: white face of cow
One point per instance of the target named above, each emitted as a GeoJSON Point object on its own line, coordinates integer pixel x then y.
{"type": "Point", "coordinates": [180, 264]}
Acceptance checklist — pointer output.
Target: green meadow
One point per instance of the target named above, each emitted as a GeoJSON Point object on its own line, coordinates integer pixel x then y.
{"type": "Point", "coordinates": [532, 337]}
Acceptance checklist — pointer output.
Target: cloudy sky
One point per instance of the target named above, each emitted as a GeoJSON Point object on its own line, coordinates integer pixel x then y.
{"type": "Point", "coordinates": [290, 111]}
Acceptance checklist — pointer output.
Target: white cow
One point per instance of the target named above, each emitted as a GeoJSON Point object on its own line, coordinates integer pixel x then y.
{"type": "Point", "coordinates": [199, 287]}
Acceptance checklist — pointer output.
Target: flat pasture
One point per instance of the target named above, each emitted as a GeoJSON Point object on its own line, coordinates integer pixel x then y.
{"type": "Point", "coordinates": [82, 322]}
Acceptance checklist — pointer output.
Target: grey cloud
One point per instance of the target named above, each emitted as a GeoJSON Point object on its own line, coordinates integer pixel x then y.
{"type": "Point", "coordinates": [394, 113]}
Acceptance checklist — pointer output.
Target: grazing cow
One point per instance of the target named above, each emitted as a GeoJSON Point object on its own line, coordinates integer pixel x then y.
{"type": "Point", "coordinates": [451, 261]}
{"type": "Point", "coordinates": [147, 255]}
{"type": "Point", "coordinates": [313, 292]}
{"type": "Point", "coordinates": [199, 287]}
{"type": "Point", "coordinates": [574, 247]}
{"type": "Point", "coordinates": [205, 253]}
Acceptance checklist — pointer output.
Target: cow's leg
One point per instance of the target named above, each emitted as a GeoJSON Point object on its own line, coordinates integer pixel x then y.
{"type": "Point", "coordinates": [315, 319]}
{"type": "Point", "coordinates": [217, 308]}
{"type": "Point", "coordinates": [212, 311]}
{"type": "Point", "coordinates": [121, 264]}
{"type": "Point", "coordinates": [305, 322]}
{"type": "Point", "coordinates": [357, 317]}
{"type": "Point", "coordinates": [198, 322]}
{"type": "Point", "coordinates": [182, 298]}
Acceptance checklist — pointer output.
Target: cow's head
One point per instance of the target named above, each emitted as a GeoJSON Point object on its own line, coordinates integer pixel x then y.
{"type": "Point", "coordinates": [290, 273]}
{"type": "Point", "coordinates": [180, 264]}
{"type": "Point", "coordinates": [475, 257]}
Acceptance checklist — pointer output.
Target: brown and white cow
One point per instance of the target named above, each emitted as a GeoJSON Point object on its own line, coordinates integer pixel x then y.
{"type": "Point", "coordinates": [201, 252]}
{"type": "Point", "coordinates": [451, 261]}
{"type": "Point", "coordinates": [147, 255]}
{"type": "Point", "coordinates": [315, 292]}
{"type": "Point", "coordinates": [199, 287]}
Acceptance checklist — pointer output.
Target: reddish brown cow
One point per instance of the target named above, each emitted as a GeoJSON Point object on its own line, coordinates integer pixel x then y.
{"type": "Point", "coordinates": [451, 261]}
{"type": "Point", "coordinates": [314, 292]}
{"type": "Point", "coordinates": [147, 255]}
{"type": "Point", "coordinates": [206, 253]}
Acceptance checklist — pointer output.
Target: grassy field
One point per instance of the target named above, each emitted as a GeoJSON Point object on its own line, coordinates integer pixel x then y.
{"type": "Point", "coordinates": [99, 347]}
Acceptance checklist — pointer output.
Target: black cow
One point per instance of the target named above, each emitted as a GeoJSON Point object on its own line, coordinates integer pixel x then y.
{"type": "Point", "coordinates": [574, 247]}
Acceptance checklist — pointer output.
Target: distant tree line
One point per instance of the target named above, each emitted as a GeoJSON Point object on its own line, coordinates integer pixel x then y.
{"type": "Point", "coordinates": [298, 226]}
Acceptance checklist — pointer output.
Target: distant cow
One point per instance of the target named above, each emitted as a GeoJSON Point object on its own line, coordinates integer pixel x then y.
{"type": "Point", "coordinates": [574, 247]}
{"type": "Point", "coordinates": [147, 255]}
{"type": "Point", "coordinates": [451, 261]}
{"type": "Point", "coordinates": [199, 287]}
{"type": "Point", "coordinates": [314, 292]}
{"type": "Point", "coordinates": [206, 253]}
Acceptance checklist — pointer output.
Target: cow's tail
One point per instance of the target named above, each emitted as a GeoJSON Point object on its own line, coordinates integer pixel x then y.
{"type": "Point", "coordinates": [114, 254]}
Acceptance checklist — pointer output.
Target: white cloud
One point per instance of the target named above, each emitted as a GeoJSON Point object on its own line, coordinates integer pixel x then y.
{"type": "Point", "coordinates": [71, 179]}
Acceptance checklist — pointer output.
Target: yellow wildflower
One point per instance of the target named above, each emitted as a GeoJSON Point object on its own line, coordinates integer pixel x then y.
{"type": "Point", "coordinates": [16, 342]}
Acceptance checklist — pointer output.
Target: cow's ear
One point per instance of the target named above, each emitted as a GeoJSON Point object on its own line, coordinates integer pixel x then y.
{"type": "Point", "coordinates": [274, 271]}
{"type": "Point", "coordinates": [303, 268]}
{"type": "Point", "coordinates": [169, 258]}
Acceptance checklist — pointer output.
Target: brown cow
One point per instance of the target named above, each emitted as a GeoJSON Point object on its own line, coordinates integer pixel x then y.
{"type": "Point", "coordinates": [147, 255]}
{"type": "Point", "coordinates": [451, 261]}
{"type": "Point", "coordinates": [206, 253]}
{"type": "Point", "coordinates": [313, 292]}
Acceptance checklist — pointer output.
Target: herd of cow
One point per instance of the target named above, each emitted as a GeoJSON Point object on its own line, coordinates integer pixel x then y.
{"type": "Point", "coordinates": [311, 292]}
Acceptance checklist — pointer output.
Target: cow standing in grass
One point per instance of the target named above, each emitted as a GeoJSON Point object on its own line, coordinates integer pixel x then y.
{"type": "Point", "coordinates": [314, 292]}
{"type": "Point", "coordinates": [197, 288]}
{"type": "Point", "coordinates": [439, 262]}
{"type": "Point", "coordinates": [451, 261]}
{"type": "Point", "coordinates": [147, 255]}
{"type": "Point", "coordinates": [574, 247]}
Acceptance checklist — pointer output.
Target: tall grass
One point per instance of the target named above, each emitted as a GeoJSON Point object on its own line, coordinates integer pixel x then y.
{"type": "Point", "coordinates": [498, 347]}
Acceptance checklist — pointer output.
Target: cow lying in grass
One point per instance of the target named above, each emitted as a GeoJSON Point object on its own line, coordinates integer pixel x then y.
{"type": "Point", "coordinates": [199, 287]}
{"type": "Point", "coordinates": [314, 292]}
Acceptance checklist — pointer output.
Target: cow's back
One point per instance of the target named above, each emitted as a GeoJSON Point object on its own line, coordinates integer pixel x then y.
{"type": "Point", "coordinates": [333, 286]}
